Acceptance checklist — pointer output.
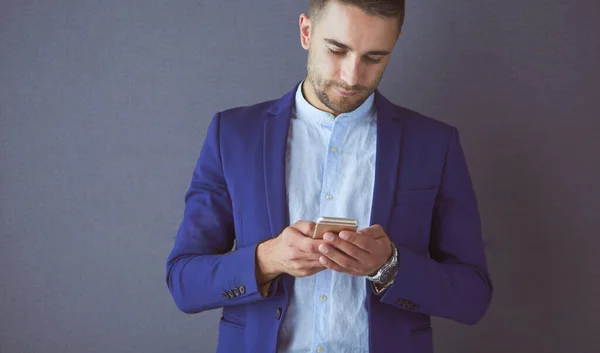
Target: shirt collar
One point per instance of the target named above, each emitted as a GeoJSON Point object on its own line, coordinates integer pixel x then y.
{"type": "Point", "coordinates": [306, 111]}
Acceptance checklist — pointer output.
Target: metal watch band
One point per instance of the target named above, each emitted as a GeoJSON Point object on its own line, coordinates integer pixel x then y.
{"type": "Point", "coordinates": [383, 273]}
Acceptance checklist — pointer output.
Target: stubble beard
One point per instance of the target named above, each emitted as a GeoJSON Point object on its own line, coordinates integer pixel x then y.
{"type": "Point", "coordinates": [340, 104]}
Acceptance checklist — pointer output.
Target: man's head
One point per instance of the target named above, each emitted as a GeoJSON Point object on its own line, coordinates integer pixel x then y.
{"type": "Point", "coordinates": [349, 43]}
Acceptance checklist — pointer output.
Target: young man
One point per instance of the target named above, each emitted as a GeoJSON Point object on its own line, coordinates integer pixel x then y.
{"type": "Point", "coordinates": [333, 146]}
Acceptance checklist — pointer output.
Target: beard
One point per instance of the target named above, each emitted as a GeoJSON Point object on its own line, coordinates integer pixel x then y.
{"type": "Point", "coordinates": [323, 89]}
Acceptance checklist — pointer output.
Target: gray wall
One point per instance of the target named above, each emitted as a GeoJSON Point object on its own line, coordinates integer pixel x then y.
{"type": "Point", "coordinates": [103, 110]}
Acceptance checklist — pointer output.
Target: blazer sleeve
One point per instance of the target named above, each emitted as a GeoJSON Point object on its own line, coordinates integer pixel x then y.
{"type": "Point", "coordinates": [454, 282]}
{"type": "Point", "coordinates": [202, 272]}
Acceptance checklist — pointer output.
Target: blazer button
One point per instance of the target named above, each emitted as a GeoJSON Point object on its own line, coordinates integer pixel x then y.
{"type": "Point", "coordinates": [231, 294]}
{"type": "Point", "coordinates": [242, 289]}
{"type": "Point", "coordinates": [411, 305]}
{"type": "Point", "coordinates": [225, 295]}
{"type": "Point", "coordinates": [236, 292]}
{"type": "Point", "coordinates": [406, 304]}
{"type": "Point", "coordinates": [278, 314]}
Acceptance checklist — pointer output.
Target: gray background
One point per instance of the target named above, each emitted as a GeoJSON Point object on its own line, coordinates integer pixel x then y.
{"type": "Point", "coordinates": [104, 106]}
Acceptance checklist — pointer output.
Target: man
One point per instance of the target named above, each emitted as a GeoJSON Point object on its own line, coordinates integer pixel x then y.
{"type": "Point", "coordinates": [333, 146]}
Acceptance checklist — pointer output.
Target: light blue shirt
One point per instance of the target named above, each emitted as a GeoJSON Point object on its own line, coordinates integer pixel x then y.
{"type": "Point", "coordinates": [330, 172]}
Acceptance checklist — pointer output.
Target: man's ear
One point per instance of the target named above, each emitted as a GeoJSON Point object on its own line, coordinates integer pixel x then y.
{"type": "Point", "coordinates": [305, 31]}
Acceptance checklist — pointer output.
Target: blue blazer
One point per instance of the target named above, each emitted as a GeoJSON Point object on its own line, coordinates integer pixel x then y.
{"type": "Point", "coordinates": [423, 198]}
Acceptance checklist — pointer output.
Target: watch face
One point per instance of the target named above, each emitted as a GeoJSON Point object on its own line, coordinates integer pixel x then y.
{"type": "Point", "coordinates": [385, 276]}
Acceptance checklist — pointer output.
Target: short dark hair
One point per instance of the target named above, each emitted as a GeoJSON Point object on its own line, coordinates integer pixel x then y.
{"type": "Point", "coordinates": [383, 8]}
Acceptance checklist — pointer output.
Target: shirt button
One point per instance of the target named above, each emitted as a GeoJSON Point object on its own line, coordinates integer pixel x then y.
{"type": "Point", "coordinates": [319, 349]}
{"type": "Point", "coordinates": [278, 313]}
{"type": "Point", "coordinates": [323, 298]}
{"type": "Point", "coordinates": [328, 196]}
{"type": "Point", "coordinates": [331, 118]}
{"type": "Point", "coordinates": [334, 149]}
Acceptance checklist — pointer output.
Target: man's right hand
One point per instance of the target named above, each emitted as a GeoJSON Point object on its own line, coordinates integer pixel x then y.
{"type": "Point", "coordinates": [293, 251]}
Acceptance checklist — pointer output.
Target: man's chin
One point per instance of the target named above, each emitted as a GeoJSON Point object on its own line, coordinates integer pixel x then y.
{"type": "Point", "coordinates": [346, 105]}
{"type": "Point", "coordinates": [342, 108]}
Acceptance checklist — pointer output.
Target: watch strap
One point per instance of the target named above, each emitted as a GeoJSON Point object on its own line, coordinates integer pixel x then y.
{"type": "Point", "coordinates": [390, 265]}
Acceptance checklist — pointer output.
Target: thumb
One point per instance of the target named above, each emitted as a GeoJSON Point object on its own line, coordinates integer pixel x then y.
{"type": "Point", "coordinates": [373, 231]}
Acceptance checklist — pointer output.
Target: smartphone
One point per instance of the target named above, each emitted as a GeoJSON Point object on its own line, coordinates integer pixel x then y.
{"type": "Point", "coordinates": [334, 225]}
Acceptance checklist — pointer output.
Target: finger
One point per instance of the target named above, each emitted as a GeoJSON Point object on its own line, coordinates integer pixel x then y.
{"type": "Point", "coordinates": [309, 245]}
{"type": "Point", "coordinates": [375, 231]}
{"type": "Point", "coordinates": [297, 255]}
{"type": "Point", "coordinates": [307, 228]}
{"type": "Point", "coordinates": [297, 238]}
{"type": "Point", "coordinates": [310, 256]}
{"type": "Point", "coordinates": [304, 265]}
{"type": "Point", "coordinates": [339, 257]}
{"type": "Point", "coordinates": [328, 263]}
{"type": "Point", "coordinates": [293, 237]}
{"type": "Point", "coordinates": [361, 242]}
{"type": "Point", "coordinates": [316, 264]}
{"type": "Point", "coordinates": [347, 247]}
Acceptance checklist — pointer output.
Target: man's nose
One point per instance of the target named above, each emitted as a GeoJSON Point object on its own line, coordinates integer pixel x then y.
{"type": "Point", "coordinates": [350, 71]}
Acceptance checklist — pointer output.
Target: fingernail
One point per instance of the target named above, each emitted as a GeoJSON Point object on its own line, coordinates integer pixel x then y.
{"type": "Point", "coordinates": [323, 260]}
{"type": "Point", "coordinates": [323, 249]}
{"type": "Point", "coordinates": [328, 236]}
{"type": "Point", "coordinates": [344, 235]}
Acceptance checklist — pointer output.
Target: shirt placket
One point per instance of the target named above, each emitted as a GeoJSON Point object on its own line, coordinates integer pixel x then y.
{"type": "Point", "coordinates": [322, 297]}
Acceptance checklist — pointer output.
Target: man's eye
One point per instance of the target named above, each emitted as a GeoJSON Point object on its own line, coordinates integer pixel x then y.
{"type": "Point", "coordinates": [373, 61]}
{"type": "Point", "coordinates": [335, 52]}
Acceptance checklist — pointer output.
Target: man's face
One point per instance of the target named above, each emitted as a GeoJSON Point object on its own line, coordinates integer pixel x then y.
{"type": "Point", "coordinates": [348, 51]}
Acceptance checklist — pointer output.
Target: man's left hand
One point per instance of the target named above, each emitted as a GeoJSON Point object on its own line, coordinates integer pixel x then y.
{"type": "Point", "coordinates": [359, 253]}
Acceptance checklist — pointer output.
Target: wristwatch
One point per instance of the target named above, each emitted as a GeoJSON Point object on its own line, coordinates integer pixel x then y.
{"type": "Point", "coordinates": [388, 271]}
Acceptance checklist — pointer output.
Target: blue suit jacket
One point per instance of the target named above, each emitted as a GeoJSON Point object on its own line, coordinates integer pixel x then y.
{"type": "Point", "coordinates": [423, 198]}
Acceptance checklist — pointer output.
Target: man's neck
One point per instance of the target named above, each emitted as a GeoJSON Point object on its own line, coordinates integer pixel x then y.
{"type": "Point", "coordinates": [311, 97]}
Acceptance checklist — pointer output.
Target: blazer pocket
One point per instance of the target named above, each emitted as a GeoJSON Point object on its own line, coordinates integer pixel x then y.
{"type": "Point", "coordinates": [231, 337]}
{"type": "Point", "coordinates": [233, 322]}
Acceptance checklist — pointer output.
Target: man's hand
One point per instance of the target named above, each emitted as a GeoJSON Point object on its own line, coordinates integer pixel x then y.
{"type": "Point", "coordinates": [359, 253]}
{"type": "Point", "coordinates": [293, 251]}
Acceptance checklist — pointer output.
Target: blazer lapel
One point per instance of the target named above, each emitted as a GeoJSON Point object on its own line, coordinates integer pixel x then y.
{"type": "Point", "coordinates": [276, 129]}
{"type": "Point", "coordinates": [387, 163]}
